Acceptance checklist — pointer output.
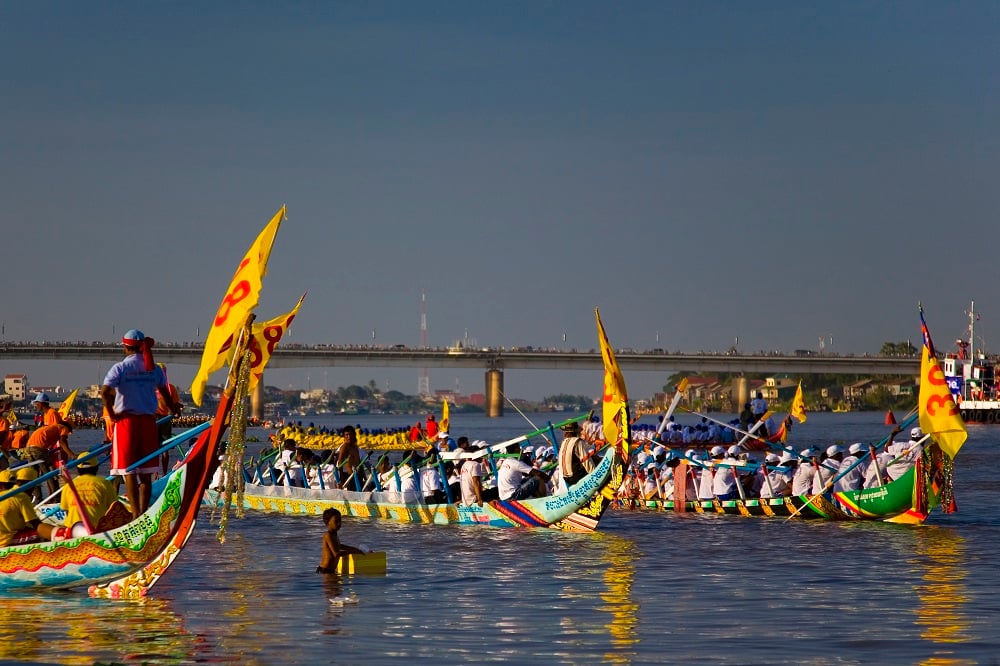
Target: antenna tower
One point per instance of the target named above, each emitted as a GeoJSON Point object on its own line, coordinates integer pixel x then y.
{"type": "Point", "coordinates": [423, 381]}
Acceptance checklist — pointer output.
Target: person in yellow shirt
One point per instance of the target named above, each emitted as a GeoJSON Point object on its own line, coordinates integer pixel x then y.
{"type": "Point", "coordinates": [18, 521]}
{"type": "Point", "coordinates": [25, 474]}
{"type": "Point", "coordinates": [93, 497]}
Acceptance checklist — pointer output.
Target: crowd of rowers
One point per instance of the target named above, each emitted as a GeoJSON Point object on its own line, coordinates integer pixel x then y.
{"type": "Point", "coordinates": [733, 473]}
{"type": "Point", "coordinates": [454, 471]}
{"type": "Point", "coordinates": [27, 453]}
{"type": "Point", "coordinates": [460, 471]}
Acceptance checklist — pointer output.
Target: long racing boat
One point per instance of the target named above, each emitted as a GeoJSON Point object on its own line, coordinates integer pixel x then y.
{"type": "Point", "coordinates": [579, 508]}
{"type": "Point", "coordinates": [909, 499]}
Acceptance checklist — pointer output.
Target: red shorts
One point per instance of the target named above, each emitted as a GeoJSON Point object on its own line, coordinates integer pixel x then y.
{"type": "Point", "coordinates": [135, 438]}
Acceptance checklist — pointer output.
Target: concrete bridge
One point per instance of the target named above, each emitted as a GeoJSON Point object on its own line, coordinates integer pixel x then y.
{"type": "Point", "coordinates": [495, 361]}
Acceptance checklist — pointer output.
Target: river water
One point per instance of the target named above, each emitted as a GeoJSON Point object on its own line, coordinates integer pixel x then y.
{"type": "Point", "coordinates": [646, 588]}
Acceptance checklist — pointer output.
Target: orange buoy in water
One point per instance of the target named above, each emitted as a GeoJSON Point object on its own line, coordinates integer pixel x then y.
{"type": "Point", "coordinates": [890, 418]}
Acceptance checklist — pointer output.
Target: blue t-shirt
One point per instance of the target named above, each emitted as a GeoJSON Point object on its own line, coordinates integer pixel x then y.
{"type": "Point", "coordinates": [135, 387]}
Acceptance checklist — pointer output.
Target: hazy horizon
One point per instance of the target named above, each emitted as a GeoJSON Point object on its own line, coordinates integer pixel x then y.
{"type": "Point", "coordinates": [775, 173]}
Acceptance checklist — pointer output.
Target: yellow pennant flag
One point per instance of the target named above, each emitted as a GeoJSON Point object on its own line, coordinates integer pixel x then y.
{"type": "Point", "coordinates": [67, 404]}
{"type": "Point", "coordinates": [443, 423]}
{"type": "Point", "coordinates": [615, 399]}
{"type": "Point", "coordinates": [799, 405]}
{"type": "Point", "coordinates": [240, 300]}
{"type": "Point", "coordinates": [939, 416]}
{"type": "Point", "coordinates": [264, 339]}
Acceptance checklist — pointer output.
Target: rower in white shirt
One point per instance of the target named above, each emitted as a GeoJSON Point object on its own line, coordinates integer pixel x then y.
{"type": "Point", "coordinates": [802, 481]}
{"type": "Point", "coordinates": [851, 471]}
{"type": "Point", "coordinates": [725, 480]}
{"type": "Point", "coordinates": [828, 468]}
{"type": "Point", "coordinates": [906, 453]}
{"type": "Point", "coordinates": [705, 484]}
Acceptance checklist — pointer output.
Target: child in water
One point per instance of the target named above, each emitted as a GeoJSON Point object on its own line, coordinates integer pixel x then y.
{"type": "Point", "coordinates": [333, 550]}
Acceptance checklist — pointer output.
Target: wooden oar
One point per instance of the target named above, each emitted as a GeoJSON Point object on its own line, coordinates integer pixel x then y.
{"type": "Point", "coordinates": [755, 428]}
{"type": "Point", "coordinates": [678, 394]}
{"type": "Point", "coordinates": [738, 431]}
{"type": "Point", "coordinates": [525, 417]}
{"type": "Point", "coordinates": [521, 438]}
{"type": "Point", "coordinates": [354, 473]}
{"type": "Point", "coordinates": [697, 500]}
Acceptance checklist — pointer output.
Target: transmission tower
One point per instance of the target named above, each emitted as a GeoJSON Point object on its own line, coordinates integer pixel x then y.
{"type": "Point", "coordinates": [424, 380]}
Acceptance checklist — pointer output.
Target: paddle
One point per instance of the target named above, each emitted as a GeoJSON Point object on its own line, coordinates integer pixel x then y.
{"type": "Point", "coordinates": [697, 500]}
{"type": "Point", "coordinates": [746, 434]}
{"type": "Point", "coordinates": [862, 458]}
{"type": "Point", "coordinates": [353, 475]}
{"type": "Point", "coordinates": [535, 433]}
{"type": "Point", "coordinates": [525, 417]}
{"type": "Point", "coordinates": [678, 394]}
{"type": "Point", "coordinates": [756, 426]}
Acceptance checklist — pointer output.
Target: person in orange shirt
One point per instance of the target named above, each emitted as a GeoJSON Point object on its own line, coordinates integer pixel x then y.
{"type": "Point", "coordinates": [49, 415]}
{"type": "Point", "coordinates": [50, 444]}
{"type": "Point", "coordinates": [164, 407]}
{"type": "Point", "coordinates": [6, 434]}
{"type": "Point", "coordinates": [19, 438]}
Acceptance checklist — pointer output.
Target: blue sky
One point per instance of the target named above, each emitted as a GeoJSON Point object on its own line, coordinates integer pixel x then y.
{"type": "Point", "coordinates": [699, 171]}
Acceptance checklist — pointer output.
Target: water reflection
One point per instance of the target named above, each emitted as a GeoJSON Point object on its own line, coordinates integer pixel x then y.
{"type": "Point", "coordinates": [619, 575]}
{"type": "Point", "coordinates": [942, 592]}
{"type": "Point", "coordinates": [76, 630]}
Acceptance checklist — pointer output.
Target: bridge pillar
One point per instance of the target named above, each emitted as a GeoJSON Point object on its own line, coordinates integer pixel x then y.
{"type": "Point", "coordinates": [494, 393]}
{"type": "Point", "coordinates": [257, 400]}
{"type": "Point", "coordinates": [741, 392]}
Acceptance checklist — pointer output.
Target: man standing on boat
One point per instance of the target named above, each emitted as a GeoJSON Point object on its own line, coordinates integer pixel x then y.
{"type": "Point", "coordinates": [349, 460]}
{"type": "Point", "coordinates": [574, 459]}
{"type": "Point", "coordinates": [129, 395]}
{"type": "Point", "coordinates": [759, 408]}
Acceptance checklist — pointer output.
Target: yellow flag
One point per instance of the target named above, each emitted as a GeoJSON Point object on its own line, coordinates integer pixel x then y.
{"type": "Point", "coordinates": [615, 399]}
{"type": "Point", "coordinates": [263, 340]}
{"type": "Point", "coordinates": [67, 404]}
{"type": "Point", "coordinates": [939, 416]}
{"type": "Point", "coordinates": [240, 300]}
{"type": "Point", "coordinates": [443, 423]}
{"type": "Point", "coordinates": [799, 405]}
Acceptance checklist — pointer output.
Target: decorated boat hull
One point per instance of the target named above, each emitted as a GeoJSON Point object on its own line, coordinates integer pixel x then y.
{"type": "Point", "coordinates": [145, 546]}
{"type": "Point", "coordinates": [580, 508]}
{"type": "Point", "coordinates": [100, 557]}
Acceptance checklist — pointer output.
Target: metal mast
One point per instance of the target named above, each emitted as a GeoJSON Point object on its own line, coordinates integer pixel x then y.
{"type": "Point", "coordinates": [423, 381]}
{"type": "Point", "coordinates": [972, 326]}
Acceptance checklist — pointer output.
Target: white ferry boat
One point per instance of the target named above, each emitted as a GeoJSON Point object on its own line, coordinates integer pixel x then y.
{"type": "Point", "coordinates": [972, 379]}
